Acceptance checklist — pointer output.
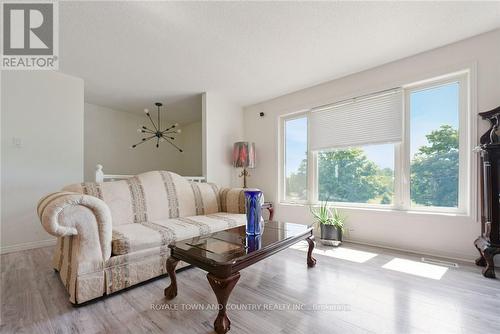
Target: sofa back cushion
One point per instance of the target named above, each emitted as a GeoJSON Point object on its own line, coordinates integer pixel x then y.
{"type": "Point", "coordinates": [152, 196]}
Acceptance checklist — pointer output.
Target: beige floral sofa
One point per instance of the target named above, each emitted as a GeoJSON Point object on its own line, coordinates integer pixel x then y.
{"type": "Point", "coordinates": [113, 235]}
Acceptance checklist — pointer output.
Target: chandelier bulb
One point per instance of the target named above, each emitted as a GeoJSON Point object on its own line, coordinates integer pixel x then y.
{"type": "Point", "coordinates": [179, 131]}
{"type": "Point", "coordinates": [140, 130]}
{"type": "Point", "coordinates": [146, 111]}
{"type": "Point", "coordinates": [176, 124]}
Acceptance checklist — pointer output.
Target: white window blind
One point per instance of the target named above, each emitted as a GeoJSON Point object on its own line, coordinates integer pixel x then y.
{"type": "Point", "coordinates": [377, 118]}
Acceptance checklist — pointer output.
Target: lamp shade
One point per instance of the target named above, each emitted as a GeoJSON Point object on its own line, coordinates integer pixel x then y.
{"type": "Point", "coordinates": [244, 154]}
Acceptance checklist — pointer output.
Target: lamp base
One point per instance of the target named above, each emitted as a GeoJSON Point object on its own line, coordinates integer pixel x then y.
{"type": "Point", "coordinates": [244, 173]}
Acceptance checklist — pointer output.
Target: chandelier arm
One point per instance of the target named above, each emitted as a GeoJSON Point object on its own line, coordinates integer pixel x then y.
{"type": "Point", "coordinates": [157, 142]}
{"type": "Point", "coordinates": [149, 116]}
{"type": "Point", "coordinates": [143, 141]}
{"type": "Point", "coordinates": [166, 133]}
{"type": "Point", "coordinates": [171, 143]}
{"type": "Point", "coordinates": [148, 131]}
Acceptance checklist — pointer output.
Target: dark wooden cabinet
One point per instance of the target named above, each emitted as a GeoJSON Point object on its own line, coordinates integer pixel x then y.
{"type": "Point", "coordinates": [488, 243]}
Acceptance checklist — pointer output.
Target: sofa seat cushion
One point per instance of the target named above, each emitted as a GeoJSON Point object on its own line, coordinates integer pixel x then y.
{"type": "Point", "coordinates": [134, 237]}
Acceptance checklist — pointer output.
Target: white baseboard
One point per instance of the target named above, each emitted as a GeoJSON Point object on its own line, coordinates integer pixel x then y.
{"type": "Point", "coordinates": [27, 245]}
{"type": "Point", "coordinates": [462, 259]}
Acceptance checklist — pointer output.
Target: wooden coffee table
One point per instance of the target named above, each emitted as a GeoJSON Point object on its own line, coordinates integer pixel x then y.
{"type": "Point", "coordinates": [225, 253]}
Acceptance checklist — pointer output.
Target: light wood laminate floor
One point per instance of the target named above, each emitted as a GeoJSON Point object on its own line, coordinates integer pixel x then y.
{"type": "Point", "coordinates": [368, 294]}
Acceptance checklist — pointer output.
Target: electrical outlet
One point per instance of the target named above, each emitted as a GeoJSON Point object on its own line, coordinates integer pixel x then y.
{"type": "Point", "coordinates": [17, 142]}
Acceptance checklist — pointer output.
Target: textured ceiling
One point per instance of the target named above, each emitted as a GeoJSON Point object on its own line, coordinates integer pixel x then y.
{"type": "Point", "coordinates": [131, 54]}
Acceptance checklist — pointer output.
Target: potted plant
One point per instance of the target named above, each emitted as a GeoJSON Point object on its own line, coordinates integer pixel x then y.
{"type": "Point", "coordinates": [331, 223]}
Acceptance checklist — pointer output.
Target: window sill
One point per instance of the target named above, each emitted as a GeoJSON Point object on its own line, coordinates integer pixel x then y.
{"type": "Point", "coordinates": [386, 209]}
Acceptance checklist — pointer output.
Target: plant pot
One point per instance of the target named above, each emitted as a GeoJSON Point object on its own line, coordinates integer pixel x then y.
{"type": "Point", "coordinates": [330, 232]}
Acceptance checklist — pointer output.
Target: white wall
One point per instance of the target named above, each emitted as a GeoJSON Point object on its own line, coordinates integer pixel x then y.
{"type": "Point", "coordinates": [223, 125]}
{"type": "Point", "coordinates": [191, 141]}
{"type": "Point", "coordinates": [443, 235]}
{"type": "Point", "coordinates": [110, 133]}
{"type": "Point", "coordinates": [44, 109]}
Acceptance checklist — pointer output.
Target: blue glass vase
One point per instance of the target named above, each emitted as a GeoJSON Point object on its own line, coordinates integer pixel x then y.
{"type": "Point", "coordinates": [253, 203]}
{"type": "Point", "coordinates": [254, 242]}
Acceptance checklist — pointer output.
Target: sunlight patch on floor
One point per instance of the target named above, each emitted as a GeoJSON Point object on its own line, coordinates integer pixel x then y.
{"type": "Point", "coordinates": [342, 253]}
{"type": "Point", "coordinates": [416, 268]}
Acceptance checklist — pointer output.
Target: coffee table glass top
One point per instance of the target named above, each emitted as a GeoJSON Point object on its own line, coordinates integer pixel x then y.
{"type": "Point", "coordinates": [231, 245]}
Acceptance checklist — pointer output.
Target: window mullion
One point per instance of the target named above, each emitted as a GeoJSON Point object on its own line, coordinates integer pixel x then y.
{"type": "Point", "coordinates": [282, 179]}
{"type": "Point", "coordinates": [464, 147]}
{"type": "Point", "coordinates": [314, 178]}
{"type": "Point", "coordinates": [311, 175]}
{"type": "Point", "coordinates": [398, 177]}
{"type": "Point", "coordinates": [404, 157]}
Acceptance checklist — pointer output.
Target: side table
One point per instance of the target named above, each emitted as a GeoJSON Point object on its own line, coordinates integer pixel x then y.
{"type": "Point", "coordinates": [269, 207]}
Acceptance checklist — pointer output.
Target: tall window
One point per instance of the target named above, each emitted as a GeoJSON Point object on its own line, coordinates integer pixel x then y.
{"type": "Point", "coordinates": [434, 146]}
{"type": "Point", "coordinates": [295, 130]}
{"type": "Point", "coordinates": [406, 149]}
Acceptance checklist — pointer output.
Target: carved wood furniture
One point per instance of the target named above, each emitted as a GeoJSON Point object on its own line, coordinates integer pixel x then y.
{"type": "Point", "coordinates": [488, 244]}
{"type": "Point", "coordinates": [224, 254]}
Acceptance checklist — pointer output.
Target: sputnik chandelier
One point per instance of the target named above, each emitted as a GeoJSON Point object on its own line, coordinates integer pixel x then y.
{"type": "Point", "coordinates": [160, 135]}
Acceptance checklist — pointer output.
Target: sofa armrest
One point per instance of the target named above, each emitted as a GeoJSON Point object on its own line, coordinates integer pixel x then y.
{"type": "Point", "coordinates": [68, 214]}
{"type": "Point", "coordinates": [232, 200]}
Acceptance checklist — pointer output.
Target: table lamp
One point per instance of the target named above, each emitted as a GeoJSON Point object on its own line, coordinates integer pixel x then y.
{"type": "Point", "coordinates": [244, 157]}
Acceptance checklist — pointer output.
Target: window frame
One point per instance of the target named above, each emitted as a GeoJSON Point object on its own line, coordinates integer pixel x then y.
{"type": "Point", "coordinates": [401, 200]}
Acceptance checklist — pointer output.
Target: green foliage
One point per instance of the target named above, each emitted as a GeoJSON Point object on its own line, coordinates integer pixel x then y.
{"type": "Point", "coordinates": [434, 170]}
{"type": "Point", "coordinates": [338, 219]}
{"type": "Point", "coordinates": [327, 216]}
{"type": "Point", "coordinates": [296, 183]}
{"type": "Point", "coordinates": [322, 214]}
{"type": "Point", "coordinates": [348, 176]}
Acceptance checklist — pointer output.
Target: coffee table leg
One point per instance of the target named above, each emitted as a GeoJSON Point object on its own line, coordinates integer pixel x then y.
{"type": "Point", "coordinates": [171, 290]}
{"type": "Point", "coordinates": [311, 261]}
{"type": "Point", "coordinates": [222, 288]}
